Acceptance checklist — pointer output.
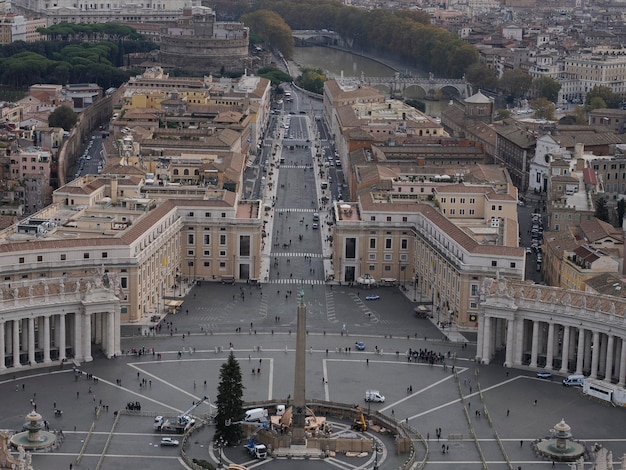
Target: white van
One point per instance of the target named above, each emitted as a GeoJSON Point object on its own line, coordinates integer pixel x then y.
{"type": "Point", "coordinates": [375, 396]}
{"type": "Point", "coordinates": [574, 381]}
{"type": "Point", "coordinates": [256, 415]}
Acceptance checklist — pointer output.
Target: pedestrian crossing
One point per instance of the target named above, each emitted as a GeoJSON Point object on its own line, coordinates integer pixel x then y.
{"type": "Point", "coordinates": [295, 167]}
{"type": "Point", "coordinates": [288, 211]}
{"type": "Point", "coordinates": [317, 282]}
{"type": "Point", "coordinates": [331, 314]}
{"type": "Point", "coordinates": [297, 255]}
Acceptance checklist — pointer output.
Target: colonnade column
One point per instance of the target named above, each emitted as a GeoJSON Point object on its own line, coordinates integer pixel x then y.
{"type": "Point", "coordinates": [111, 334]}
{"type": "Point", "coordinates": [565, 351]}
{"type": "Point", "coordinates": [31, 341]}
{"type": "Point", "coordinates": [550, 347]}
{"type": "Point", "coordinates": [487, 341]}
{"type": "Point", "coordinates": [2, 355]}
{"type": "Point", "coordinates": [62, 337]}
{"type": "Point", "coordinates": [510, 325]}
{"type": "Point", "coordinates": [46, 338]}
{"type": "Point", "coordinates": [603, 353]}
{"type": "Point", "coordinates": [519, 344]}
{"type": "Point", "coordinates": [622, 365]}
{"type": "Point", "coordinates": [580, 352]}
{"type": "Point", "coordinates": [535, 344]}
{"type": "Point", "coordinates": [595, 355]}
{"type": "Point", "coordinates": [87, 338]}
{"type": "Point", "coordinates": [16, 343]}
{"type": "Point", "coordinates": [78, 336]}
{"type": "Point", "coordinates": [608, 370]}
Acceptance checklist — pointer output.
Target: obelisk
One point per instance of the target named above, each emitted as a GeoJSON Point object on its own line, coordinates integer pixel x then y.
{"type": "Point", "coordinates": [299, 402]}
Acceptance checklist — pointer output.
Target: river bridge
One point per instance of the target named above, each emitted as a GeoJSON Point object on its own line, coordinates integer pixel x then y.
{"type": "Point", "coordinates": [431, 87]}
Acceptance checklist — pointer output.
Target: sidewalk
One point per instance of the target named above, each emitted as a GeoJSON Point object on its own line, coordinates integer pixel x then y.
{"type": "Point", "coordinates": [452, 332]}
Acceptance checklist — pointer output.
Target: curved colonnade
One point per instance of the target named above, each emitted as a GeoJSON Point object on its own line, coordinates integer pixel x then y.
{"type": "Point", "coordinates": [552, 328]}
{"type": "Point", "coordinates": [51, 320]}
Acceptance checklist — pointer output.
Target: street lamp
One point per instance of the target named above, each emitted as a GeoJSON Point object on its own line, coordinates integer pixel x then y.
{"type": "Point", "coordinates": [378, 449]}
{"type": "Point", "coordinates": [220, 445]}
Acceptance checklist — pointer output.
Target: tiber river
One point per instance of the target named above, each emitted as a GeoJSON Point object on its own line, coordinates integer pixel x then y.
{"type": "Point", "coordinates": [333, 62]}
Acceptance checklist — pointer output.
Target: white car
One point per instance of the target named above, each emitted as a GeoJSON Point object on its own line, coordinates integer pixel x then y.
{"type": "Point", "coordinates": [169, 442]}
{"type": "Point", "coordinates": [366, 280]}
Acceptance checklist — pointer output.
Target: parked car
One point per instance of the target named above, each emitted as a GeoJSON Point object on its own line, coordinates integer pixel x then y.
{"type": "Point", "coordinates": [544, 374]}
{"type": "Point", "coordinates": [372, 297]}
{"type": "Point", "coordinates": [360, 346]}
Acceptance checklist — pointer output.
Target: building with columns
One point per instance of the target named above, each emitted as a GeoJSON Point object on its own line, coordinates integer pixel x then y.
{"type": "Point", "coordinates": [523, 324]}
{"type": "Point", "coordinates": [48, 320]}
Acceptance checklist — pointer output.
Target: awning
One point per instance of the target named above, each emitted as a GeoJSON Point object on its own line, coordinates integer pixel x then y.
{"type": "Point", "coordinates": [173, 303]}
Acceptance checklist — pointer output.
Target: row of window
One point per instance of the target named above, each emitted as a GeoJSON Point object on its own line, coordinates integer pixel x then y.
{"type": "Point", "coordinates": [461, 211]}
{"type": "Point", "coordinates": [462, 201]}
{"type": "Point", "coordinates": [404, 243]}
{"type": "Point", "coordinates": [386, 257]}
{"type": "Point", "coordinates": [206, 239]}
{"type": "Point", "coordinates": [207, 215]}
{"type": "Point", "coordinates": [63, 257]}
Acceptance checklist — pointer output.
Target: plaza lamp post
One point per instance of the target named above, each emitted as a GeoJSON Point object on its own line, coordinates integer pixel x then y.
{"type": "Point", "coordinates": [378, 449]}
{"type": "Point", "coordinates": [220, 445]}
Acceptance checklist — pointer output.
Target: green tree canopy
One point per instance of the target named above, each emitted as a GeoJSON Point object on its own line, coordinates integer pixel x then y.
{"type": "Point", "coordinates": [544, 108]}
{"type": "Point", "coordinates": [481, 76]}
{"type": "Point", "coordinates": [547, 88]}
{"type": "Point", "coordinates": [312, 80]}
{"type": "Point", "coordinates": [621, 210]}
{"type": "Point", "coordinates": [274, 75]}
{"type": "Point", "coordinates": [610, 99]}
{"type": "Point", "coordinates": [63, 117]}
{"type": "Point", "coordinates": [272, 28]}
{"type": "Point", "coordinates": [229, 403]}
{"type": "Point", "coordinates": [515, 82]}
{"type": "Point", "coordinates": [602, 210]}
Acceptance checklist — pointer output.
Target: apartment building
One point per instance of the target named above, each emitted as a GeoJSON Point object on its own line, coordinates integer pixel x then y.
{"type": "Point", "coordinates": [147, 246]}
{"type": "Point", "coordinates": [389, 236]}
{"type": "Point", "coordinates": [32, 167]}
{"type": "Point", "coordinates": [585, 71]}
{"type": "Point", "coordinates": [339, 93]}
{"type": "Point", "coordinates": [515, 148]}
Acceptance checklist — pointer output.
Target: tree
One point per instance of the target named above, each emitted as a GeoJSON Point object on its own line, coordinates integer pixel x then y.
{"type": "Point", "coordinates": [274, 75]}
{"type": "Point", "coordinates": [515, 82]}
{"type": "Point", "coordinates": [272, 28]}
{"type": "Point", "coordinates": [481, 76]}
{"type": "Point", "coordinates": [229, 403]}
{"type": "Point", "coordinates": [602, 210]}
{"type": "Point", "coordinates": [621, 210]}
{"type": "Point", "coordinates": [546, 87]}
{"type": "Point", "coordinates": [579, 115]}
{"type": "Point", "coordinates": [608, 98]}
{"type": "Point", "coordinates": [312, 80]}
{"type": "Point", "coordinates": [544, 108]}
{"type": "Point", "coordinates": [62, 117]}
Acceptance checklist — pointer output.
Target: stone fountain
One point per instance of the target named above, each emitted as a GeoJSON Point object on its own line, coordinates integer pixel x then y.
{"type": "Point", "coordinates": [33, 437]}
{"type": "Point", "coordinates": [560, 447]}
